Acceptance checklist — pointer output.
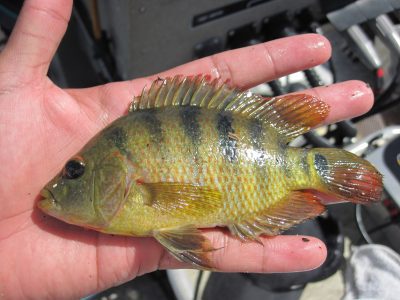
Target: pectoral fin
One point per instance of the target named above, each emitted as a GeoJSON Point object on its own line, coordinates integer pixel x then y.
{"type": "Point", "coordinates": [191, 199]}
{"type": "Point", "coordinates": [298, 206]}
{"type": "Point", "coordinates": [186, 244]}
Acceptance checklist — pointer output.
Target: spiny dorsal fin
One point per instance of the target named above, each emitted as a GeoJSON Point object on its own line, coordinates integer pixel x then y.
{"type": "Point", "coordinates": [181, 91]}
{"type": "Point", "coordinates": [290, 115]}
{"type": "Point", "coordinates": [298, 206]}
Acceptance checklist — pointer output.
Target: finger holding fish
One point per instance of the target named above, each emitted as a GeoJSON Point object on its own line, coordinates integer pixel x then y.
{"type": "Point", "coordinates": [347, 99]}
{"type": "Point", "coordinates": [171, 167]}
{"type": "Point", "coordinates": [243, 68]}
{"type": "Point", "coordinates": [252, 65]}
{"type": "Point", "coordinates": [133, 257]}
{"type": "Point", "coordinates": [278, 254]}
{"type": "Point", "coordinates": [83, 261]}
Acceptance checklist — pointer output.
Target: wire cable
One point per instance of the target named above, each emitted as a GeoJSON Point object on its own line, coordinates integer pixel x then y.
{"type": "Point", "coordinates": [197, 288]}
{"type": "Point", "coordinates": [361, 226]}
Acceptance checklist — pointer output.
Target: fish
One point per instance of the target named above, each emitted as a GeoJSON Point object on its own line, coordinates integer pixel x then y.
{"type": "Point", "coordinates": [194, 152]}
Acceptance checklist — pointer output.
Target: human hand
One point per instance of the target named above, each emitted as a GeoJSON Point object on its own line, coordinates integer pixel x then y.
{"type": "Point", "coordinates": [42, 126]}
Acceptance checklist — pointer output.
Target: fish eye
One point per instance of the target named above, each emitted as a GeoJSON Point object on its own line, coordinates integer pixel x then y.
{"type": "Point", "coordinates": [74, 168]}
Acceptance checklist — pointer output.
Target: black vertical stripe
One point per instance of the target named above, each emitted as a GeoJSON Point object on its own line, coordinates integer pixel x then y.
{"type": "Point", "coordinates": [321, 165]}
{"type": "Point", "coordinates": [190, 122]}
{"type": "Point", "coordinates": [256, 134]}
{"type": "Point", "coordinates": [227, 143]}
{"type": "Point", "coordinates": [119, 137]}
{"type": "Point", "coordinates": [191, 126]}
{"type": "Point", "coordinates": [284, 158]}
{"type": "Point", "coordinates": [154, 126]}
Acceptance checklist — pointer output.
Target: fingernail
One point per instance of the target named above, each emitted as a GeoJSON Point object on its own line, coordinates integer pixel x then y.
{"type": "Point", "coordinates": [363, 89]}
{"type": "Point", "coordinates": [357, 94]}
{"type": "Point", "coordinates": [319, 42]}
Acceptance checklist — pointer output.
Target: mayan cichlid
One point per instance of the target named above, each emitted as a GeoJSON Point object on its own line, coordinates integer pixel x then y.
{"type": "Point", "coordinates": [195, 153]}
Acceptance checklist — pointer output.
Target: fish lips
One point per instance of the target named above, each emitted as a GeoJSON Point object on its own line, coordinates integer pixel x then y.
{"type": "Point", "coordinates": [50, 206]}
{"type": "Point", "coordinates": [48, 203]}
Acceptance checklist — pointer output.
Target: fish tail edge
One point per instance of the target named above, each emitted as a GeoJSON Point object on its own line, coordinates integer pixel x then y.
{"type": "Point", "coordinates": [347, 177]}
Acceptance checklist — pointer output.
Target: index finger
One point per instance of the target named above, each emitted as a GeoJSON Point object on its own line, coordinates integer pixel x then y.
{"type": "Point", "coordinates": [247, 67]}
{"type": "Point", "coordinates": [282, 254]}
{"type": "Point", "coordinates": [243, 68]}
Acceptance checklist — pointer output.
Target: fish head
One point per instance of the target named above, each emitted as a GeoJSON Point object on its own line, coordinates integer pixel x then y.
{"type": "Point", "coordinates": [90, 189]}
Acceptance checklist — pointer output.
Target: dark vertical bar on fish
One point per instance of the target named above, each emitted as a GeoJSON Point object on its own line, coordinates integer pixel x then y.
{"type": "Point", "coordinates": [257, 138]}
{"type": "Point", "coordinates": [191, 126]}
{"type": "Point", "coordinates": [283, 154]}
{"type": "Point", "coordinates": [256, 134]}
{"type": "Point", "coordinates": [227, 142]}
{"type": "Point", "coordinates": [118, 137]}
{"type": "Point", "coordinates": [321, 165]}
{"type": "Point", "coordinates": [153, 125]}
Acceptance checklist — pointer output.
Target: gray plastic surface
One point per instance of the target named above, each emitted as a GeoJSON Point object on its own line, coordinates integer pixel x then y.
{"type": "Point", "coordinates": [346, 17]}
{"type": "Point", "coordinates": [373, 8]}
{"type": "Point", "coordinates": [395, 3]}
{"type": "Point", "coordinates": [361, 11]}
{"type": "Point", "coordinates": [149, 36]}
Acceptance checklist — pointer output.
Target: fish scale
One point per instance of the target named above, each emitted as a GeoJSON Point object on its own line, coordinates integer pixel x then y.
{"type": "Point", "coordinates": [195, 153]}
{"type": "Point", "coordinates": [179, 146]}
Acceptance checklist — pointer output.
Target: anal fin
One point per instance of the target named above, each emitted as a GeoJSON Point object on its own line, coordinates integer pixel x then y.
{"type": "Point", "coordinates": [299, 206]}
{"type": "Point", "coordinates": [187, 244]}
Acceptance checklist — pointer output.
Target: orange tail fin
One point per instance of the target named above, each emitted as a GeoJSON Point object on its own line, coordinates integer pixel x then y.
{"type": "Point", "coordinates": [347, 176]}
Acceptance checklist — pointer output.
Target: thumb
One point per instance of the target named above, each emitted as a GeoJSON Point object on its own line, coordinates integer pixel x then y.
{"type": "Point", "coordinates": [35, 37]}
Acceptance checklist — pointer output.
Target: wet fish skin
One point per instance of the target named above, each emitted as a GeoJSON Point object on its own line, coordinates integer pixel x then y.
{"type": "Point", "coordinates": [194, 153]}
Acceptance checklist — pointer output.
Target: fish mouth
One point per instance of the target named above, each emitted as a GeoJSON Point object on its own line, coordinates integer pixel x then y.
{"type": "Point", "coordinates": [47, 201]}
{"type": "Point", "coordinates": [50, 206]}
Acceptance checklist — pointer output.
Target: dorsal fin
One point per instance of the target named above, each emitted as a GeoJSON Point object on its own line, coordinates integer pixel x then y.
{"type": "Point", "coordinates": [290, 115]}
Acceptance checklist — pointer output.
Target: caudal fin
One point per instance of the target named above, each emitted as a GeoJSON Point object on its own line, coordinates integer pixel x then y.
{"type": "Point", "coordinates": [347, 176]}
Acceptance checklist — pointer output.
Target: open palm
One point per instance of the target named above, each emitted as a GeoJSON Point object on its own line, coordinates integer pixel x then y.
{"type": "Point", "coordinates": [41, 126]}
